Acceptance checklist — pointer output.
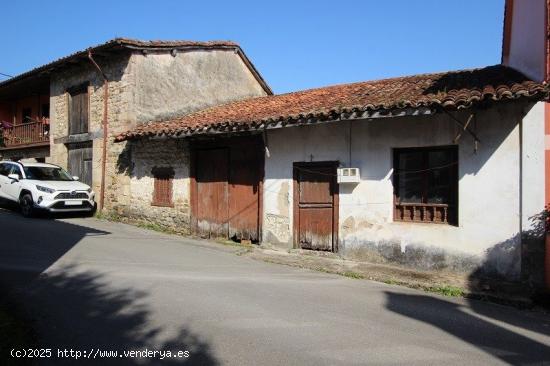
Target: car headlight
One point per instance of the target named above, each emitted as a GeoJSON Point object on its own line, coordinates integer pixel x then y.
{"type": "Point", "coordinates": [89, 190]}
{"type": "Point", "coordinates": [45, 189]}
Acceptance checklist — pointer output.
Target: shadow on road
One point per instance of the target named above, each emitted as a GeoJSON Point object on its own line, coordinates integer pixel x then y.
{"type": "Point", "coordinates": [71, 308]}
{"type": "Point", "coordinates": [87, 313]}
{"type": "Point", "coordinates": [500, 342]}
{"type": "Point", "coordinates": [29, 246]}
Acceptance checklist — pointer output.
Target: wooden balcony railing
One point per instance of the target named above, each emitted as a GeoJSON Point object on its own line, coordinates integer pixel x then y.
{"type": "Point", "coordinates": [35, 133]}
{"type": "Point", "coordinates": [424, 212]}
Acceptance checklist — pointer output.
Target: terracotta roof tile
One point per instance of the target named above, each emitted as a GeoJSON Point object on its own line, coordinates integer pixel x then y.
{"type": "Point", "coordinates": [121, 43]}
{"type": "Point", "coordinates": [451, 90]}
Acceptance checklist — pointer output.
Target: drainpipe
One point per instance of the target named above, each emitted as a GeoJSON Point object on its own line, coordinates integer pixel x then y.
{"type": "Point", "coordinates": [105, 111]}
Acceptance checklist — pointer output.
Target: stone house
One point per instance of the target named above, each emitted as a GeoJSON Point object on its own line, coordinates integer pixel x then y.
{"type": "Point", "coordinates": [144, 81]}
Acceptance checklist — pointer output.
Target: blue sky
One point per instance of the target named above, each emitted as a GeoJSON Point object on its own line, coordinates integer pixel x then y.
{"type": "Point", "coordinates": [295, 45]}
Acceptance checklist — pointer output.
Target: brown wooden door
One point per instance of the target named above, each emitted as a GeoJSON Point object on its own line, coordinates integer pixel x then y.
{"type": "Point", "coordinates": [315, 206]}
{"type": "Point", "coordinates": [80, 161]}
{"type": "Point", "coordinates": [244, 191]}
{"type": "Point", "coordinates": [211, 174]}
{"type": "Point", "coordinates": [226, 183]}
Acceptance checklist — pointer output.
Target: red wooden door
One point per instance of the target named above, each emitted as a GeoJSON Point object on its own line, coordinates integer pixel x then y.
{"type": "Point", "coordinates": [212, 169]}
{"type": "Point", "coordinates": [315, 202]}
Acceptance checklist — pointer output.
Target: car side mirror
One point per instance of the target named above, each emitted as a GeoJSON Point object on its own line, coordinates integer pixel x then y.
{"type": "Point", "coordinates": [75, 177]}
{"type": "Point", "coordinates": [14, 177]}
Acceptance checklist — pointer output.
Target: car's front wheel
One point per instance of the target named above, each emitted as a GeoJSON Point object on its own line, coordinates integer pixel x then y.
{"type": "Point", "coordinates": [26, 205]}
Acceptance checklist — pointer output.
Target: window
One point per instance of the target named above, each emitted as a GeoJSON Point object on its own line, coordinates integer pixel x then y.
{"type": "Point", "coordinates": [78, 110]}
{"type": "Point", "coordinates": [14, 169]}
{"type": "Point", "coordinates": [162, 191]}
{"type": "Point", "coordinates": [4, 169]}
{"type": "Point", "coordinates": [426, 185]}
{"type": "Point", "coordinates": [55, 174]}
{"type": "Point", "coordinates": [26, 115]}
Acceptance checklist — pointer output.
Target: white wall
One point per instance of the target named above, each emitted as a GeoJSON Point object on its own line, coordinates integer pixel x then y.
{"type": "Point", "coordinates": [489, 183]}
{"type": "Point", "coordinates": [528, 38]}
{"type": "Point", "coordinates": [533, 195]}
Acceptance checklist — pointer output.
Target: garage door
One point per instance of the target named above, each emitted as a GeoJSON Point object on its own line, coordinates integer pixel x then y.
{"type": "Point", "coordinates": [226, 185]}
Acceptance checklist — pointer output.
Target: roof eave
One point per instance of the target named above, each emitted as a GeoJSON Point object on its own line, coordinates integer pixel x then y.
{"type": "Point", "coordinates": [122, 43]}
{"type": "Point", "coordinates": [325, 117]}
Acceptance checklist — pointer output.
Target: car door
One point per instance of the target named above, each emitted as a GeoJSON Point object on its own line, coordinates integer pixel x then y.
{"type": "Point", "coordinates": [13, 187]}
{"type": "Point", "coordinates": [4, 180]}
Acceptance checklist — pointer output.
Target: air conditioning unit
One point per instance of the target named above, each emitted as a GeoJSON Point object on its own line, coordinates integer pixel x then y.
{"type": "Point", "coordinates": [348, 175]}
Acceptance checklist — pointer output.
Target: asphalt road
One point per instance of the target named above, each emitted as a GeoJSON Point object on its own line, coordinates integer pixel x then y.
{"type": "Point", "coordinates": [90, 284]}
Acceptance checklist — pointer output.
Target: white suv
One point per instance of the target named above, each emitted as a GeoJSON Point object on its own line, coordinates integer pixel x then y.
{"type": "Point", "coordinates": [39, 186]}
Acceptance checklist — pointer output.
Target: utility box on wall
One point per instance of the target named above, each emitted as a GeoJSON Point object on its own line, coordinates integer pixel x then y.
{"type": "Point", "coordinates": [348, 175]}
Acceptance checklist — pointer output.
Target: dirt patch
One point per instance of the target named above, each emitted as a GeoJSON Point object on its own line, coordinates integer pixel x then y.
{"type": "Point", "coordinates": [443, 282]}
{"type": "Point", "coordinates": [331, 263]}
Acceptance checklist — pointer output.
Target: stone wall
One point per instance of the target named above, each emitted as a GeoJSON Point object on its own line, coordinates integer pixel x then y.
{"type": "Point", "coordinates": [120, 81]}
{"type": "Point", "coordinates": [142, 88]}
{"type": "Point", "coordinates": [146, 156]}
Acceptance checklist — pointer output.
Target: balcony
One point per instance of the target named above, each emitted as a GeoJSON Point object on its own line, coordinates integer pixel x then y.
{"type": "Point", "coordinates": [24, 135]}
{"type": "Point", "coordinates": [425, 212]}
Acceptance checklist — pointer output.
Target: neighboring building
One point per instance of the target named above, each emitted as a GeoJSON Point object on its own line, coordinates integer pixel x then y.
{"type": "Point", "coordinates": [56, 112]}
{"type": "Point", "coordinates": [24, 118]}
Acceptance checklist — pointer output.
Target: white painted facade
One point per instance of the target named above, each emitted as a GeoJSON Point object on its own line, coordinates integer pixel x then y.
{"type": "Point", "coordinates": [527, 51]}
{"type": "Point", "coordinates": [500, 186]}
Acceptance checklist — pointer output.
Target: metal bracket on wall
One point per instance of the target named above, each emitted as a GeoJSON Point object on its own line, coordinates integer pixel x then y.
{"type": "Point", "coordinates": [465, 128]}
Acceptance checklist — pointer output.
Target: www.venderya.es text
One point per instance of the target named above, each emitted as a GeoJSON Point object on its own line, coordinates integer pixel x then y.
{"type": "Point", "coordinates": [96, 353]}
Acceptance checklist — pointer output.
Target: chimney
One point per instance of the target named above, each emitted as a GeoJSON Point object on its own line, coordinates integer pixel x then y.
{"type": "Point", "coordinates": [525, 40]}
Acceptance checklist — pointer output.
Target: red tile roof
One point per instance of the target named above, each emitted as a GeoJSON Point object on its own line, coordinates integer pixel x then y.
{"type": "Point", "coordinates": [450, 90]}
{"type": "Point", "coordinates": [127, 43]}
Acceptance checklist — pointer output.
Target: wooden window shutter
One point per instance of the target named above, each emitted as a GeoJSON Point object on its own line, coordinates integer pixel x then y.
{"type": "Point", "coordinates": [78, 110]}
{"type": "Point", "coordinates": [162, 190]}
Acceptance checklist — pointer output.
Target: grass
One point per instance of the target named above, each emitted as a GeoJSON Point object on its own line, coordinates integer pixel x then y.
{"type": "Point", "coordinates": [447, 290]}
{"type": "Point", "coordinates": [391, 281]}
{"type": "Point", "coordinates": [351, 274]}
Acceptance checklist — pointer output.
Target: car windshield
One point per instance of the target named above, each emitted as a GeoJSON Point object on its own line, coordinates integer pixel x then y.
{"type": "Point", "coordinates": [47, 173]}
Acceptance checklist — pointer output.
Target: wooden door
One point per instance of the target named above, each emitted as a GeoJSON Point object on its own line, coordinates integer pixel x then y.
{"type": "Point", "coordinates": [80, 161]}
{"type": "Point", "coordinates": [226, 186]}
{"type": "Point", "coordinates": [245, 176]}
{"type": "Point", "coordinates": [211, 175]}
{"type": "Point", "coordinates": [315, 206]}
